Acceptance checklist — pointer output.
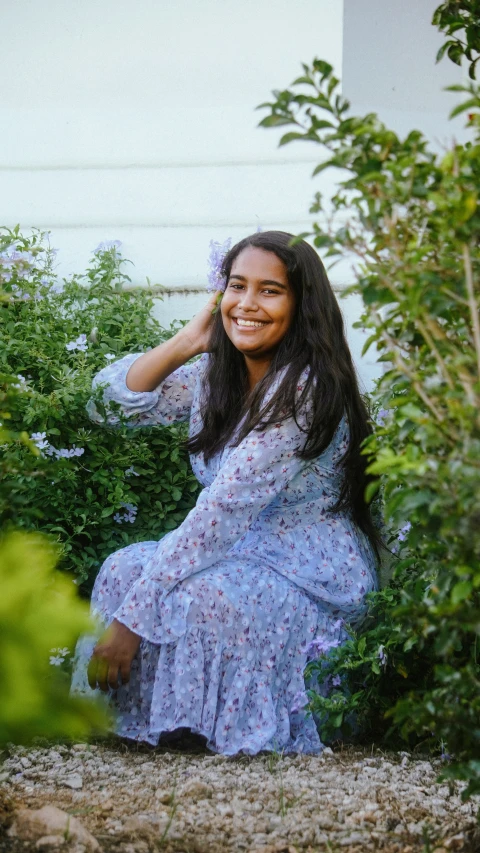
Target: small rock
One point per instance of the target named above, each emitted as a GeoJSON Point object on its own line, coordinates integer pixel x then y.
{"type": "Point", "coordinates": [327, 751]}
{"type": "Point", "coordinates": [162, 795]}
{"type": "Point", "coordinates": [7, 809]}
{"type": "Point", "coordinates": [53, 755]}
{"type": "Point", "coordinates": [324, 821]}
{"type": "Point", "coordinates": [49, 842]}
{"type": "Point", "coordinates": [73, 781]}
{"type": "Point", "coordinates": [196, 790]}
{"type": "Point", "coordinates": [353, 838]}
{"type": "Point", "coordinates": [33, 825]}
{"type": "Point", "coordinates": [455, 842]}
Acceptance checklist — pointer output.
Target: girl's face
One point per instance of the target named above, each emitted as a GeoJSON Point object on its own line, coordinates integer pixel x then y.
{"type": "Point", "coordinates": [258, 304]}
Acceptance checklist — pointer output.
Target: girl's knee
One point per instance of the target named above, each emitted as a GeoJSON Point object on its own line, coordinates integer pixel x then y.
{"type": "Point", "coordinates": [119, 572]}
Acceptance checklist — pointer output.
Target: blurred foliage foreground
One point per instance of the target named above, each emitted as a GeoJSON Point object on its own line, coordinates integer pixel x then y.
{"type": "Point", "coordinates": [410, 220]}
{"type": "Point", "coordinates": [40, 620]}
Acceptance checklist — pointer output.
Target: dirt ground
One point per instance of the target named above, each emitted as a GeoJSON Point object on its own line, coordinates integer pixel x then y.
{"type": "Point", "coordinates": [187, 800]}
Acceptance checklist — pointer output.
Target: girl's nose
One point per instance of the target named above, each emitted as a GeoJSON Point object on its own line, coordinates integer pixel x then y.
{"type": "Point", "coordinates": [248, 299]}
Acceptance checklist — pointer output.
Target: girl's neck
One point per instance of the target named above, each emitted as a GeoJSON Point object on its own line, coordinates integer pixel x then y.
{"type": "Point", "coordinates": [256, 370]}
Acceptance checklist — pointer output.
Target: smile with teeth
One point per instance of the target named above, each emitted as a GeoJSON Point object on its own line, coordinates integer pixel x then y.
{"type": "Point", "coordinates": [256, 324]}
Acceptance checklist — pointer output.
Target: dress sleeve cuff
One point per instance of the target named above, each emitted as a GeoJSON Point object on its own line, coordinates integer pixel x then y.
{"type": "Point", "coordinates": [131, 402]}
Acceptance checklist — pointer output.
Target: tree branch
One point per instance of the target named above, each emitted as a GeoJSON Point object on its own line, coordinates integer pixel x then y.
{"type": "Point", "coordinates": [472, 302]}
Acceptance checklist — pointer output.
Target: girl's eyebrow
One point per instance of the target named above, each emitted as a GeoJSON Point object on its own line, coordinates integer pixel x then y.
{"type": "Point", "coordinates": [263, 281]}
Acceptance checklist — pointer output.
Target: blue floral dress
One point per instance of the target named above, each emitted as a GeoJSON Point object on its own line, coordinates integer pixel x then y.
{"type": "Point", "coordinates": [233, 603]}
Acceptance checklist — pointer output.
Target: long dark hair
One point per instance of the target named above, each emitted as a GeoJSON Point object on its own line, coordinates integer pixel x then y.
{"type": "Point", "coordinates": [315, 339]}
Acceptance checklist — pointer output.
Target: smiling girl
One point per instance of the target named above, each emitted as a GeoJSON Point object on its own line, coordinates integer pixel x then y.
{"type": "Point", "coordinates": [210, 628]}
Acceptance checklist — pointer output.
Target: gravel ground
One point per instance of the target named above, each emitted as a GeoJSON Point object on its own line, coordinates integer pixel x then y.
{"type": "Point", "coordinates": [137, 801]}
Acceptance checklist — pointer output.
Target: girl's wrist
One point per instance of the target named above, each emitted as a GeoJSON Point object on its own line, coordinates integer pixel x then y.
{"type": "Point", "coordinates": [187, 347]}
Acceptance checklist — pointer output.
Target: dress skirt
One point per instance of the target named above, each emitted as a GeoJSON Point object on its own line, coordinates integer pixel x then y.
{"type": "Point", "coordinates": [230, 666]}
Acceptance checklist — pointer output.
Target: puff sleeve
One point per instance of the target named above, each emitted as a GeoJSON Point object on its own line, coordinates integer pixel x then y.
{"type": "Point", "coordinates": [171, 401]}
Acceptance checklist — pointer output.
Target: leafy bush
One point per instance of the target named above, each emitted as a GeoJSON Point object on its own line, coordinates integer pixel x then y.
{"type": "Point", "coordinates": [92, 489]}
{"type": "Point", "coordinates": [410, 219]}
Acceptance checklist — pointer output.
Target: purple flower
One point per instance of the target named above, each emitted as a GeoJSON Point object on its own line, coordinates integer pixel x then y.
{"type": "Point", "coordinates": [321, 645]}
{"type": "Point", "coordinates": [216, 281]}
{"type": "Point", "coordinates": [382, 656]}
{"type": "Point", "coordinates": [336, 681]}
{"type": "Point", "coordinates": [77, 451]}
{"type": "Point", "coordinates": [129, 514]}
{"type": "Point", "coordinates": [130, 471]}
{"type": "Point", "coordinates": [65, 453]}
{"type": "Point", "coordinates": [107, 245]}
{"type": "Point", "coordinates": [404, 531]}
{"type": "Point", "coordinates": [16, 261]}
{"type": "Point", "coordinates": [79, 344]}
{"type": "Point", "coordinates": [382, 416]}
{"type": "Point", "coordinates": [445, 756]}
{"type": "Point", "coordinates": [58, 287]}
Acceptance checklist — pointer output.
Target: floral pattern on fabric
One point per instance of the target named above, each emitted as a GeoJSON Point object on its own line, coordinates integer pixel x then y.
{"type": "Point", "coordinates": [228, 604]}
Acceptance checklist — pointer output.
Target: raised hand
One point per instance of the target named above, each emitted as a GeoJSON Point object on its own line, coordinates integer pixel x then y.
{"type": "Point", "coordinates": [154, 366]}
{"type": "Point", "coordinates": [198, 330]}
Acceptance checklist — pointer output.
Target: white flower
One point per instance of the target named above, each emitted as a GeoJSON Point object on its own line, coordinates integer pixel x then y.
{"type": "Point", "coordinates": [80, 344]}
{"type": "Point", "coordinates": [40, 440]}
{"type": "Point", "coordinates": [56, 660]}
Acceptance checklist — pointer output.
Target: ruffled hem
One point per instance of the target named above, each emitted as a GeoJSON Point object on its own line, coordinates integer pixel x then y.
{"type": "Point", "coordinates": [202, 684]}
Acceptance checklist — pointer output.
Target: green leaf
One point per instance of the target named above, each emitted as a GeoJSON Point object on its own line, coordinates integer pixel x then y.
{"type": "Point", "coordinates": [275, 121]}
{"type": "Point", "coordinates": [472, 103]}
{"type": "Point", "coordinates": [441, 52]}
{"type": "Point", "coordinates": [461, 591]}
{"type": "Point", "coordinates": [290, 137]}
{"type": "Point", "coordinates": [303, 80]}
{"type": "Point", "coordinates": [321, 167]}
{"type": "Point", "coordinates": [368, 343]}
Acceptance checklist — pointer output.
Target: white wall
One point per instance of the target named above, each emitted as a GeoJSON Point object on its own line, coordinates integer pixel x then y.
{"type": "Point", "coordinates": [134, 119]}
{"type": "Point", "coordinates": [389, 50]}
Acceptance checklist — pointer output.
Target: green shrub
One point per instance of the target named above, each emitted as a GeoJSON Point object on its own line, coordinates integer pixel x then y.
{"type": "Point", "coordinates": [55, 336]}
{"type": "Point", "coordinates": [410, 219]}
